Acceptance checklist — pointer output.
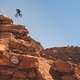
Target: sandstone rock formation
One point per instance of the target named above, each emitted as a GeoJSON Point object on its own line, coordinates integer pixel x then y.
{"type": "Point", "coordinates": [68, 53]}
{"type": "Point", "coordinates": [66, 65]}
{"type": "Point", "coordinates": [23, 58]}
{"type": "Point", "coordinates": [19, 53]}
{"type": "Point", "coordinates": [61, 70]}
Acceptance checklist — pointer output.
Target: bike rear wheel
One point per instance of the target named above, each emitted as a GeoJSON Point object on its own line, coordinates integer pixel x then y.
{"type": "Point", "coordinates": [16, 15]}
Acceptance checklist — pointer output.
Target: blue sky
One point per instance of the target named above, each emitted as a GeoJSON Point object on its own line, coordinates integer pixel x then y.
{"type": "Point", "coordinates": [51, 22]}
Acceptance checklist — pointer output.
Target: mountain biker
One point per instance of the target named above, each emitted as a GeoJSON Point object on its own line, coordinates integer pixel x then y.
{"type": "Point", "coordinates": [18, 13]}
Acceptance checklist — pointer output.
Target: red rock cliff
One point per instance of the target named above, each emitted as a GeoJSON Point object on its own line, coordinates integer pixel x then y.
{"type": "Point", "coordinates": [23, 58]}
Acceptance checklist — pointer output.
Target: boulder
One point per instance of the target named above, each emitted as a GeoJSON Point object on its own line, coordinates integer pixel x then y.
{"type": "Point", "coordinates": [28, 62]}
{"type": "Point", "coordinates": [62, 66]}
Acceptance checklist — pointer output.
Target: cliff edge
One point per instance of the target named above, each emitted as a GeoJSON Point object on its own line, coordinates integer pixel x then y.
{"type": "Point", "coordinates": [23, 58]}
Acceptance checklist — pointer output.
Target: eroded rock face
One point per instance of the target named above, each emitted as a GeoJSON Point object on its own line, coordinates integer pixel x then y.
{"type": "Point", "coordinates": [68, 53]}
{"type": "Point", "coordinates": [18, 66]}
{"type": "Point", "coordinates": [5, 20]}
{"type": "Point", "coordinates": [23, 58]}
{"type": "Point", "coordinates": [61, 70]}
{"type": "Point", "coordinates": [18, 52]}
{"type": "Point", "coordinates": [62, 66]}
{"type": "Point", "coordinates": [16, 39]}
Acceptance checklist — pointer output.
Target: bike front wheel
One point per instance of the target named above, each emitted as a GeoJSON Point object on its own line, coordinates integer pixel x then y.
{"type": "Point", "coordinates": [20, 15]}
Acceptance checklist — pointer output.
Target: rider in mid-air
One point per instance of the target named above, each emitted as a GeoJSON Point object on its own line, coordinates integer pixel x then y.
{"type": "Point", "coordinates": [18, 13]}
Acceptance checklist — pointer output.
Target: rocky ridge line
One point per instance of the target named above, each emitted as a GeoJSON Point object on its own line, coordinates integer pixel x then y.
{"type": "Point", "coordinates": [23, 58]}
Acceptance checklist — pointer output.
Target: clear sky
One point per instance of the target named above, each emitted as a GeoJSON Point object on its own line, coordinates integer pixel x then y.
{"type": "Point", "coordinates": [51, 22]}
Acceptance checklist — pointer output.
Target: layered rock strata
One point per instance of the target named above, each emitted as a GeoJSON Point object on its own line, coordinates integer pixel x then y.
{"type": "Point", "coordinates": [23, 58]}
